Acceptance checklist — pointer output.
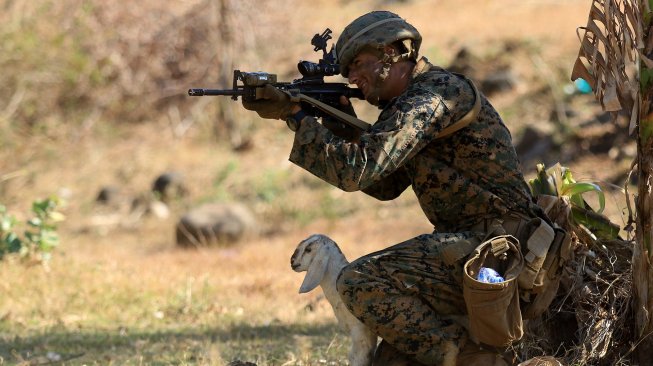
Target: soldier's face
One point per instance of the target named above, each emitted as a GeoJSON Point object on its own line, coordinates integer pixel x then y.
{"type": "Point", "coordinates": [365, 71]}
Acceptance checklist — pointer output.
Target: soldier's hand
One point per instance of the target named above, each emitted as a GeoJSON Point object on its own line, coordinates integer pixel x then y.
{"type": "Point", "coordinates": [341, 129]}
{"type": "Point", "coordinates": [272, 103]}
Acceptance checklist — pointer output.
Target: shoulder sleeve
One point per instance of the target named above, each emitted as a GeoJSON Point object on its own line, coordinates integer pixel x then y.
{"type": "Point", "coordinates": [414, 121]}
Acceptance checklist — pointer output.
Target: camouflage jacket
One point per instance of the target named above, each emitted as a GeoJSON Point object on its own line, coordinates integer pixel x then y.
{"type": "Point", "coordinates": [459, 180]}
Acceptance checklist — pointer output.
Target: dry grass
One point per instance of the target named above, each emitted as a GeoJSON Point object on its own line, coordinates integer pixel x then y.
{"type": "Point", "coordinates": [122, 294]}
{"type": "Point", "coordinates": [127, 295]}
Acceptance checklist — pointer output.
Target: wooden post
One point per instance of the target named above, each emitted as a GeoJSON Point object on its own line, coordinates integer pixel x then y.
{"type": "Point", "coordinates": [643, 251]}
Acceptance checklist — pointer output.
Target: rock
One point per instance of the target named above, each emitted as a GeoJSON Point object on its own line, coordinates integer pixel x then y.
{"type": "Point", "coordinates": [534, 145]}
{"type": "Point", "coordinates": [215, 224]}
{"type": "Point", "coordinates": [463, 63]}
{"type": "Point", "coordinates": [158, 209]}
{"type": "Point", "coordinates": [491, 74]}
{"type": "Point", "coordinates": [498, 81]}
{"type": "Point", "coordinates": [602, 144]}
{"type": "Point", "coordinates": [146, 204]}
{"type": "Point", "coordinates": [169, 186]}
{"type": "Point", "coordinates": [109, 196]}
{"type": "Point", "coordinates": [568, 111]}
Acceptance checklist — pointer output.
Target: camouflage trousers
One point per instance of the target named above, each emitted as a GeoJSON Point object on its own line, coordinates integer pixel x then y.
{"type": "Point", "coordinates": [410, 297]}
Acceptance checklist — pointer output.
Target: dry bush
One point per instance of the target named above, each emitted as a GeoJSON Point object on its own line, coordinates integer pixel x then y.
{"type": "Point", "coordinates": [83, 61]}
{"type": "Point", "coordinates": [590, 321]}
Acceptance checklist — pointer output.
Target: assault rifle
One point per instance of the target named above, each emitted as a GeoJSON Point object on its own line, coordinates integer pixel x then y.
{"type": "Point", "coordinates": [318, 98]}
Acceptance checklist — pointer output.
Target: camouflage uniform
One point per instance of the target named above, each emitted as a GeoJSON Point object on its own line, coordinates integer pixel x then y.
{"type": "Point", "coordinates": [407, 293]}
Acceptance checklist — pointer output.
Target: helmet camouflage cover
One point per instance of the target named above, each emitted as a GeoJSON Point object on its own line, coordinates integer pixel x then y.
{"type": "Point", "coordinates": [375, 29]}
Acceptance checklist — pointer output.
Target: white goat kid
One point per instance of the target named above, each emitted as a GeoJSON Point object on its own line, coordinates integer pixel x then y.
{"type": "Point", "coordinates": [322, 259]}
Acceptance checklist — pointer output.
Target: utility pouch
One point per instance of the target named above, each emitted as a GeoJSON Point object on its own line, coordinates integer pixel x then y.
{"type": "Point", "coordinates": [536, 248]}
{"type": "Point", "coordinates": [548, 279]}
{"type": "Point", "coordinates": [493, 308]}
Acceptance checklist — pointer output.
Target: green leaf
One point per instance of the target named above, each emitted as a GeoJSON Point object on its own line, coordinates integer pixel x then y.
{"type": "Point", "coordinates": [43, 207]}
{"type": "Point", "coordinates": [6, 223]}
{"type": "Point", "coordinates": [598, 224]}
{"type": "Point", "coordinates": [39, 239]}
{"type": "Point", "coordinates": [56, 216]}
{"type": "Point", "coordinates": [35, 222]}
{"type": "Point", "coordinates": [543, 184]}
{"type": "Point", "coordinates": [560, 180]}
{"type": "Point", "coordinates": [40, 207]}
{"type": "Point", "coordinates": [14, 244]}
{"type": "Point", "coordinates": [31, 237]}
{"type": "Point", "coordinates": [645, 130]}
{"type": "Point", "coordinates": [566, 176]}
{"type": "Point", "coordinates": [576, 190]}
{"type": "Point", "coordinates": [643, 79]}
{"type": "Point", "coordinates": [49, 240]}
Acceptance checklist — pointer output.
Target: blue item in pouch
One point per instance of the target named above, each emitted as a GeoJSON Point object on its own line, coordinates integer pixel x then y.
{"type": "Point", "coordinates": [488, 275]}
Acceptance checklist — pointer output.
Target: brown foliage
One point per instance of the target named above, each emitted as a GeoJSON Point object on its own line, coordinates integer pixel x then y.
{"type": "Point", "coordinates": [80, 61]}
{"type": "Point", "coordinates": [607, 56]}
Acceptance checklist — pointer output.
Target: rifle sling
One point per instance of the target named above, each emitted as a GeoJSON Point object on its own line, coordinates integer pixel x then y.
{"type": "Point", "coordinates": [344, 117]}
{"type": "Point", "coordinates": [362, 125]}
{"type": "Point", "coordinates": [468, 117]}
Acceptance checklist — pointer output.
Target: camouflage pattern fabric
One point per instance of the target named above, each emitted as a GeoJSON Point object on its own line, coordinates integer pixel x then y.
{"type": "Point", "coordinates": [407, 293]}
{"type": "Point", "coordinates": [410, 297]}
{"type": "Point", "coordinates": [459, 180]}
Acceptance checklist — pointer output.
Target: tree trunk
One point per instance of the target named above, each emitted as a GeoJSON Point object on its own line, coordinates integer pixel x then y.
{"type": "Point", "coordinates": [643, 251]}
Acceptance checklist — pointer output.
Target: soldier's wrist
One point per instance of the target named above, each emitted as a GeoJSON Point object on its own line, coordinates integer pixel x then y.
{"type": "Point", "coordinates": [294, 121]}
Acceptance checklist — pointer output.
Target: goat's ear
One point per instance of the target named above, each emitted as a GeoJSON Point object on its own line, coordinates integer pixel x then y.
{"type": "Point", "coordinates": [316, 270]}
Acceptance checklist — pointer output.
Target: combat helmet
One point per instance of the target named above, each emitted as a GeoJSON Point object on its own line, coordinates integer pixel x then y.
{"type": "Point", "coordinates": [375, 29]}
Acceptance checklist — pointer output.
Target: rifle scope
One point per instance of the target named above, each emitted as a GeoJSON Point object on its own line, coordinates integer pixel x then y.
{"type": "Point", "coordinates": [312, 69]}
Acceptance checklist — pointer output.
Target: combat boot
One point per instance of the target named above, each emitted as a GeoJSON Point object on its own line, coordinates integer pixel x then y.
{"type": "Point", "coordinates": [386, 355]}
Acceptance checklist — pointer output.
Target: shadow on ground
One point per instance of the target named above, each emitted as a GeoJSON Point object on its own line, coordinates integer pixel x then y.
{"type": "Point", "coordinates": [267, 344]}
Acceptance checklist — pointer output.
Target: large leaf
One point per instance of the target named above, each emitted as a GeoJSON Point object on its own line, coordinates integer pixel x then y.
{"type": "Point", "coordinates": [610, 44]}
{"type": "Point", "coordinates": [598, 224]}
{"type": "Point", "coordinates": [558, 181]}
{"type": "Point", "coordinates": [543, 184]}
{"type": "Point", "coordinates": [575, 192]}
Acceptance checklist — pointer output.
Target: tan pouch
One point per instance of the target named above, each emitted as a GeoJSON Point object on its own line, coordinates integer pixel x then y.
{"type": "Point", "coordinates": [548, 279]}
{"type": "Point", "coordinates": [493, 308]}
{"type": "Point", "coordinates": [535, 249]}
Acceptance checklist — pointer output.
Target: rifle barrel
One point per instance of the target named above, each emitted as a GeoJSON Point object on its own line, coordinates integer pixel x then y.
{"type": "Point", "coordinates": [201, 92]}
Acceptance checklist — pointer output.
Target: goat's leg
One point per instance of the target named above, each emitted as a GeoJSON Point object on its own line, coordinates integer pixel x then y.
{"type": "Point", "coordinates": [363, 345]}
